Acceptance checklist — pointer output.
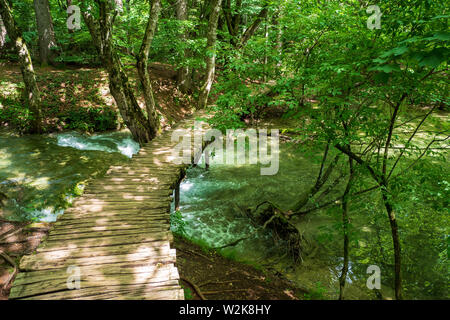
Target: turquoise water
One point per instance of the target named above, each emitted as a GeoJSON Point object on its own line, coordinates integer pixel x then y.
{"type": "Point", "coordinates": [211, 204]}
{"type": "Point", "coordinates": [40, 175]}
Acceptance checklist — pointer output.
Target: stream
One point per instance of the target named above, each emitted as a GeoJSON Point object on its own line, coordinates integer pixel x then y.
{"type": "Point", "coordinates": [40, 175]}
{"type": "Point", "coordinates": [209, 205]}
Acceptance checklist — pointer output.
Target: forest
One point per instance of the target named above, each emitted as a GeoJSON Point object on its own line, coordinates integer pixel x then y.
{"type": "Point", "coordinates": [320, 173]}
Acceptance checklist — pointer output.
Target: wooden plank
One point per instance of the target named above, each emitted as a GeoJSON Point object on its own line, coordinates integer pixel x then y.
{"type": "Point", "coordinates": [109, 230]}
{"type": "Point", "coordinates": [121, 290]}
{"type": "Point", "coordinates": [50, 244]}
{"type": "Point", "coordinates": [98, 206]}
{"type": "Point", "coordinates": [151, 189]}
{"type": "Point", "coordinates": [106, 223]}
{"type": "Point", "coordinates": [146, 258]}
{"type": "Point", "coordinates": [171, 293]}
{"type": "Point", "coordinates": [117, 233]}
{"type": "Point", "coordinates": [127, 200]}
{"type": "Point", "coordinates": [100, 235]}
{"type": "Point", "coordinates": [70, 247]}
{"type": "Point", "coordinates": [158, 276]}
{"type": "Point", "coordinates": [31, 277]}
{"type": "Point", "coordinates": [156, 247]}
{"type": "Point", "coordinates": [141, 212]}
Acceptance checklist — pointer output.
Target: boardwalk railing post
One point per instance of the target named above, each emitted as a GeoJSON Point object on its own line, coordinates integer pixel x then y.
{"type": "Point", "coordinates": [206, 160]}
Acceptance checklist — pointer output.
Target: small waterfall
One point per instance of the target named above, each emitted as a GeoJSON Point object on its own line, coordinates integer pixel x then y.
{"type": "Point", "coordinates": [110, 142]}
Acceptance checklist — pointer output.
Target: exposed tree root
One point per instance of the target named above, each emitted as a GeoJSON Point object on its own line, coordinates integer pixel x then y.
{"type": "Point", "coordinates": [196, 288]}
{"type": "Point", "coordinates": [234, 243]}
{"type": "Point", "coordinates": [273, 217]}
{"type": "Point", "coordinates": [217, 282]}
{"type": "Point", "coordinates": [196, 253]}
{"type": "Point", "coordinates": [13, 264]}
{"type": "Point", "coordinates": [269, 215]}
{"type": "Point", "coordinates": [224, 290]}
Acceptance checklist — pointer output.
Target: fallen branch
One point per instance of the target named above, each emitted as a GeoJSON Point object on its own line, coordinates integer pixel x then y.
{"type": "Point", "coordinates": [219, 282]}
{"type": "Point", "coordinates": [236, 242]}
{"type": "Point", "coordinates": [13, 264]}
{"type": "Point", "coordinates": [8, 234]}
{"type": "Point", "coordinates": [195, 253]}
{"type": "Point", "coordinates": [193, 285]}
{"type": "Point", "coordinates": [225, 290]}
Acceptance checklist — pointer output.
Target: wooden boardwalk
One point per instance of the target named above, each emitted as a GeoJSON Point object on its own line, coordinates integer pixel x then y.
{"type": "Point", "coordinates": [116, 237]}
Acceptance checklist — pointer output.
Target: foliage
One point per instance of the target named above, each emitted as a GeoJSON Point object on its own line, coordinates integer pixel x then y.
{"type": "Point", "coordinates": [70, 101]}
{"type": "Point", "coordinates": [318, 293]}
{"type": "Point", "coordinates": [177, 224]}
{"type": "Point", "coordinates": [378, 96]}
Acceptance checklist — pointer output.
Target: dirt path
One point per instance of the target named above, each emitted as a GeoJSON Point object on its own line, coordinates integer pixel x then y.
{"type": "Point", "coordinates": [218, 278]}
{"type": "Point", "coordinates": [16, 240]}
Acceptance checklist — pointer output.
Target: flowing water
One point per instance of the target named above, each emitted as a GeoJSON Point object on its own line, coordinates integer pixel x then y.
{"type": "Point", "coordinates": [39, 175]}
{"type": "Point", "coordinates": [212, 203]}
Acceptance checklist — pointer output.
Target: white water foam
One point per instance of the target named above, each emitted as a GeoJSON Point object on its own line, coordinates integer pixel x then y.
{"type": "Point", "coordinates": [110, 142]}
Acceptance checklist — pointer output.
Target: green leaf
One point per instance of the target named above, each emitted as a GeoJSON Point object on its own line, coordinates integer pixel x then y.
{"type": "Point", "coordinates": [387, 68]}
{"type": "Point", "coordinates": [442, 35]}
{"type": "Point", "coordinates": [395, 52]}
{"type": "Point", "coordinates": [434, 58]}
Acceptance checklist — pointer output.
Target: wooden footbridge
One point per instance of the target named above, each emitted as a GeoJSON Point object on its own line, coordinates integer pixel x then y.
{"type": "Point", "coordinates": [115, 241]}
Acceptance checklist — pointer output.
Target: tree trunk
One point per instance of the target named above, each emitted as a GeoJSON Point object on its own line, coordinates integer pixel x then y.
{"type": "Point", "coordinates": [279, 41]}
{"type": "Point", "coordinates": [253, 27]}
{"type": "Point", "coordinates": [237, 18]}
{"type": "Point", "coordinates": [2, 34]}
{"type": "Point", "coordinates": [381, 180]}
{"type": "Point", "coordinates": [266, 44]}
{"type": "Point", "coordinates": [46, 33]}
{"type": "Point", "coordinates": [142, 66]}
{"type": "Point", "coordinates": [210, 54]}
{"type": "Point", "coordinates": [321, 180]}
{"type": "Point", "coordinates": [26, 66]}
{"type": "Point", "coordinates": [184, 77]}
{"type": "Point", "coordinates": [119, 85]}
{"type": "Point", "coordinates": [396, 243]}
{"type": "Point", "coordinates": [345, 223]}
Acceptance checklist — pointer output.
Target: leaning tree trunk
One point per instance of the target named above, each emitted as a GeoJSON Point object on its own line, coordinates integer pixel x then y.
{"type": "Point", "coordinates": [26, 66]}
{"type": "Point", "coordinates": [119, 85]}
{"type": "Point", "coordinates": [142, 66]}
{"type": "Point", "coordinates": [250, 31]}
{"type": "Point", "coordinates": [46, 33]}
{"type": "Point", "coordinates": [210, 54]}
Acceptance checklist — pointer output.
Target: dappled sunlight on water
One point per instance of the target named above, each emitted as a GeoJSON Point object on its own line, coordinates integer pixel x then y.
{"type": "Point", "coordinates": [212, 203]}
{"type": "Point", "coordinates": [40, 175]}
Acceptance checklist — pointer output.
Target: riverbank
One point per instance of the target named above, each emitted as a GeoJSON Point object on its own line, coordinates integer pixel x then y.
{"type": "Point", "coordinates": [79, 98]}
{"type": "Point", "coordinates": [17, 239]}
{"type": "Point", "coordinates": [209, 275]}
